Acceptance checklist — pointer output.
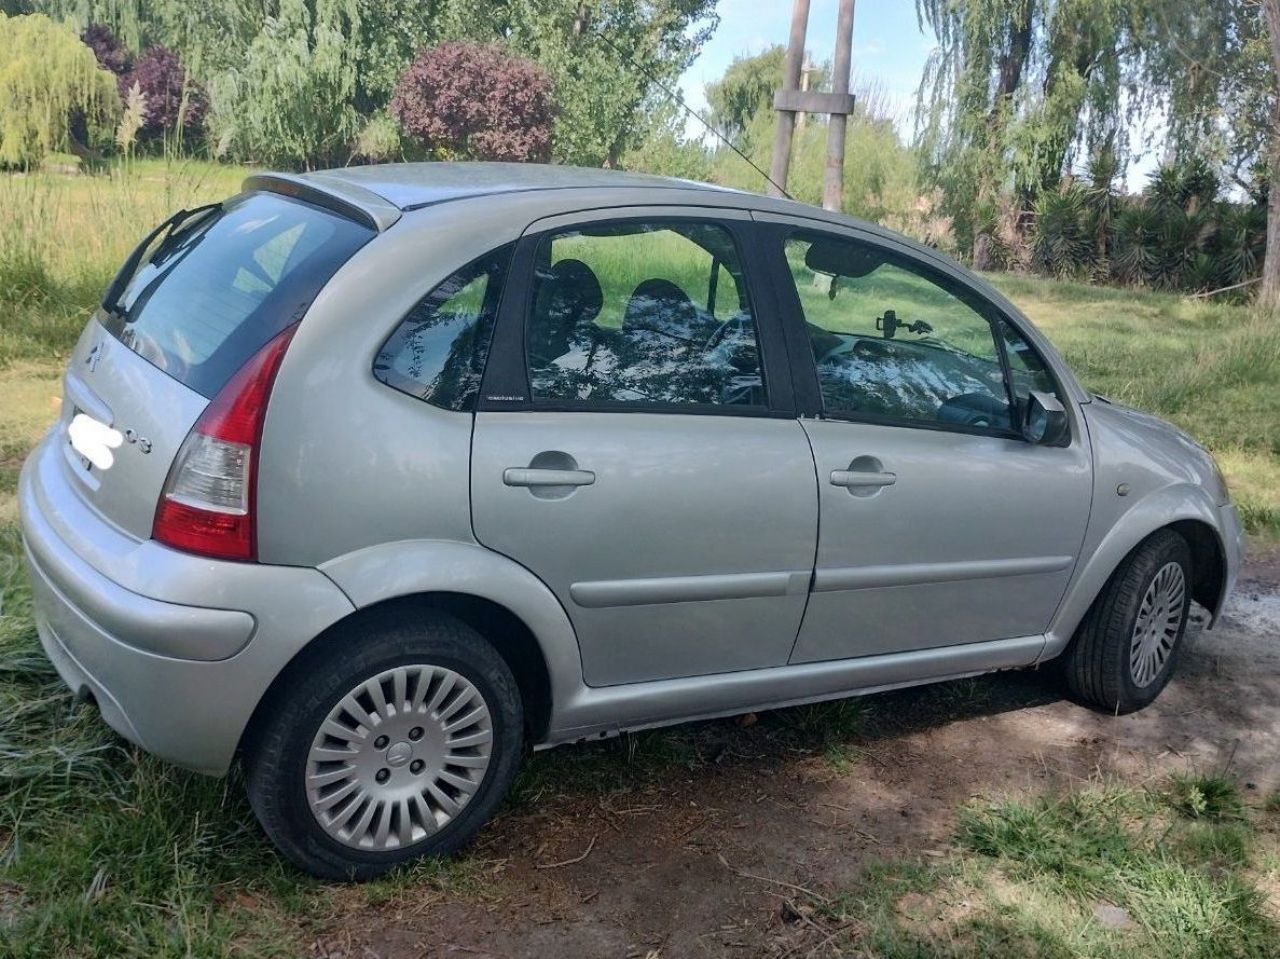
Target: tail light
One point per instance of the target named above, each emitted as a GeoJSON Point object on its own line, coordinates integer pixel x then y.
{"type": "Point", "coordinates": [208, 505]}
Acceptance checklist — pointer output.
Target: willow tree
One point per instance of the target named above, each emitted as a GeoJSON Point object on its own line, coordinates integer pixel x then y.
{"type": "Point", "coordinates": [1020, 91]}
{"type": "Point", "coordinates": [292, 101]}
{"type": "Point", "coordinates": [969, 93]}
{"type": "Point", "coordinates": [48, 81]}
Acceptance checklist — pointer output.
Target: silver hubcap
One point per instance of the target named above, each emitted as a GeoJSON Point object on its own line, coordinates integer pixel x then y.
{"type": "Point", "coordinates": [1159, 621]}
{"type": "Point", "coordinates": [398, 757]}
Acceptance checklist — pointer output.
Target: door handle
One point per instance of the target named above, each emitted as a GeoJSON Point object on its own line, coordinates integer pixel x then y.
{"type": "Point", "coordinates": [532, 476]}
{"type": "Point", "coordinates": [857, 479]}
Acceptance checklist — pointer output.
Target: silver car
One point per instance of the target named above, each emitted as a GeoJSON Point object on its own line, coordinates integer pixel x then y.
{"type": "Point", "coordinates": [373, 477]}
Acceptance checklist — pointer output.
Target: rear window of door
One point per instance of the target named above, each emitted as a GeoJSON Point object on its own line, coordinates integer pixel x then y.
{"type": "Point", "coordinates": [643, 314]}
{"type": "Point", "coordinates": [212, 293]}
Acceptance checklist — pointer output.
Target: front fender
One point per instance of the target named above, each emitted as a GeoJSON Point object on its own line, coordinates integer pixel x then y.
{"type": "Point", "coordinates": [411, 567]}
{"type": "Point", "coordinates": [1115, 539]}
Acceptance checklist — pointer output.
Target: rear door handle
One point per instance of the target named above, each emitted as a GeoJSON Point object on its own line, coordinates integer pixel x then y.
{"type": "Point", "coordinates": [856, 479]}
{"type": "Point", "coordinates": [531, 476]}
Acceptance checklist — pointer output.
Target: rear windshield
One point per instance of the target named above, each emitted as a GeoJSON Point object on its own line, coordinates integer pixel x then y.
{"type": "Point", "coordinates": [214, 291]}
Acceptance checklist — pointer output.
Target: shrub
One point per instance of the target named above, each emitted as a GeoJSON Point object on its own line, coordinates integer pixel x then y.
{"type": "Point", "coordinates": [379, 140]}
{"type": "Point", "coordinates": [476, 101]}
{"type": "Point", "coordinates": [170, 100]}
{"type": "Point", "coordinates": [1062, 246]}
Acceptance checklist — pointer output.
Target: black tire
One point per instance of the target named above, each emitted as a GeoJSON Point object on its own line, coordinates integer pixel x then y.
{"type": "Point", "coordinates": [1097, 665]}
{"type": "Point", "coordinates": [276, 759]}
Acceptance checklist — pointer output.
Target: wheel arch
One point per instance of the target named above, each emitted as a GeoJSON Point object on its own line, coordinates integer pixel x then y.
{"type": "Point", "coordinates": [497, 597]}
{"type": "Point", "coordinates": [1185, 509]}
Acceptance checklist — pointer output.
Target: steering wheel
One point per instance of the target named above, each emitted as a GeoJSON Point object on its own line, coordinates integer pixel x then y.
{"type": "Point", "coordinates": [974, 409]}
{"type": "Point", "coordinates": [733, 340]}
{"type": "Point", "coordinates": [721, 332]}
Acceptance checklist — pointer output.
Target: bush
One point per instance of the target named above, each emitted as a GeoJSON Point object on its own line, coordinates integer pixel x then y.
{"type": "Point", "coordinates": [476, 101]}
{"type": "Point", "coordinates": [171, 101]}
{"type": "Point", "coordinates": [1177, 236]}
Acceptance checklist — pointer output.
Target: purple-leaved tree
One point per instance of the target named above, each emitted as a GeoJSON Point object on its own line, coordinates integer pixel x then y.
{"type": "Point", "coordinates": [476, 101]}
{"type": "Point", "coordinates": [161, 78]}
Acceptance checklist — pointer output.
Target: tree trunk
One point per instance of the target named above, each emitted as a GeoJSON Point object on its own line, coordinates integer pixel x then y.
{"type": "Point", "coordinates": [1269, 293]}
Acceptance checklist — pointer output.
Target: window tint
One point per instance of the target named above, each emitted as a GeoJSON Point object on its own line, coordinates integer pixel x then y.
{"type": "Point", "coordinates": [892, 343]}
{"type": "Point", "coordinates": [214, 292]}
{"type": "Point", "coordinates": [438, 353]}
{"type": "Point", "coordinates": [643, 313]}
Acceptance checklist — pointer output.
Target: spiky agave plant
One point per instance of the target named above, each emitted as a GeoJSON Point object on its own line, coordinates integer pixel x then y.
{"type": "Point", "coordinates": [1062, 244]}
{"type": "Point", "coordinates": [1240, 243]}
{"type": "Point", "coordinates": [1135, 244]}
{"type": "Point", "coordinates": [1181, 238]}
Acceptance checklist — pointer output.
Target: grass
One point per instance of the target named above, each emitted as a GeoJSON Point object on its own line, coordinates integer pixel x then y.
{"type": "Point", "coordinates": [1102, 870]}
{"type": "Point", "coordinates": [104, 851]}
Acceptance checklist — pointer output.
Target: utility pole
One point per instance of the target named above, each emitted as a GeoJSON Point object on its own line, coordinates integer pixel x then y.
{"type": "Point", "coordinates": [790, 101]}
{"type": "Point", "coordinates": [781, 164]}
{"type": "Point", "coordinates": [833, 179]}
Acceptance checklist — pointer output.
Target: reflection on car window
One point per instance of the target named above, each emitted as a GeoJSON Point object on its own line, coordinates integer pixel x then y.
{"type": "Point", "coordinates": [1027, 370]}
{"type": "Point", "coordinates": [438, 353]}
{"type": "Point", "coordinates": [891, 343]}
{"type": "Point", "coordinates": [643, 313]}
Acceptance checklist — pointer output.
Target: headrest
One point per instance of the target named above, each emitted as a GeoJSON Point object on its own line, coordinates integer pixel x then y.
{"type": "Point", "coordinates": [662, 306]}
{"type": "Point", "coordinates": [571, 292]}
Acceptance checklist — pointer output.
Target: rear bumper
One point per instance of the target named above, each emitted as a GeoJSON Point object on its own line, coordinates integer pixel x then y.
{"type": "Point", "coordinates": [176, 650]}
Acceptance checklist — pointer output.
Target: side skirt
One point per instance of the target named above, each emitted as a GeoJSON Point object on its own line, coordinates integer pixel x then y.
{"type": "Point", "coordinates": [603, 711]}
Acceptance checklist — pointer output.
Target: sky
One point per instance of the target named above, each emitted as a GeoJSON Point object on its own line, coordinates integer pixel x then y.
{"type": "Point", "coordinates": [889, 47]}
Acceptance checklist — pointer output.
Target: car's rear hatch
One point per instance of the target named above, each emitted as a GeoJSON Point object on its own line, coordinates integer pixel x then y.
{"type": "Point", "coordinates": [203, 300]}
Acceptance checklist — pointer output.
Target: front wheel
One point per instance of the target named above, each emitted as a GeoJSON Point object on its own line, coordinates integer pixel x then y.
{"type": "Point", "coordinates": [398, 742]}
{"type": "Point", "coordinates": [1128, 645]}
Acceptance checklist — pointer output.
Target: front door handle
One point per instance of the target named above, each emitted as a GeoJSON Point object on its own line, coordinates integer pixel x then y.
{"type": "Point", "coordinates": [532, 477]}
{"type": "Point", "coordinates": [857, 479]}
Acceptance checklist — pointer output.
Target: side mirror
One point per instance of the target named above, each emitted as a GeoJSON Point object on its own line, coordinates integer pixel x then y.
{"type": "Point", "coordinates": [1044, 420]}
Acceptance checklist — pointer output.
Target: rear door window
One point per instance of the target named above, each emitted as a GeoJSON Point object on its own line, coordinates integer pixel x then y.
{"type": "Point", "coordinates": [212, 293]}
{"type": "Point", "coordinates": [643, 314]}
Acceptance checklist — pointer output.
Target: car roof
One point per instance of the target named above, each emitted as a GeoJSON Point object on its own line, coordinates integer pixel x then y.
{"type": "Point", "coordinates": [413, 185]}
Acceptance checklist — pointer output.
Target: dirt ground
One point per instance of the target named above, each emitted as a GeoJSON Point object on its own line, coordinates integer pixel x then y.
{"type": "Point", "coordinates": [702, 860]}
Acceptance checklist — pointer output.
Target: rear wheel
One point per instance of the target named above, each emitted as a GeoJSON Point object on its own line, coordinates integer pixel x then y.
{"type": "Point", "coordinates": [398, 743]}
{"type": "Point", "coordinates": [1128, 646]}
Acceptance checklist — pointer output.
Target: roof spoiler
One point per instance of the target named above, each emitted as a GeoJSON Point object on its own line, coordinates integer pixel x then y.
{"type": "Point", "coordinates": [345, 199]}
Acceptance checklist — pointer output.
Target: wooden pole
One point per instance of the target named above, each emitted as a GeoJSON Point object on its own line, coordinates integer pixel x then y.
{"type": "Point", "coordinates": [833, 178]}
{"type": "Point", "coordinates": [781, 164]}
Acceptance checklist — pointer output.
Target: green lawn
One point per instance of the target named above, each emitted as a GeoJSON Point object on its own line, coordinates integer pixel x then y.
{"type": "Point", "coordinates": [104, 851]}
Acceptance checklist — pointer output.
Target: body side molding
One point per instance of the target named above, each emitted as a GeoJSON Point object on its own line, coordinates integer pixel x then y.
{"type": "Point", "coordinates": [603, 711]}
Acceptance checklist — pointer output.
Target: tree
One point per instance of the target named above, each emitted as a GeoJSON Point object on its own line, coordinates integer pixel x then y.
{"type": "Point", "coordinates": [293, 100]}
{"type": "Point", "coordinates": [171, 103]}
{"type": "Point", "coordinates": [746, 88]}
{"type": "Point", "coordinates": [476, 101]}
{"type": "Point", "coordinates": [48, 79]}
{"type": "Point", "coordinates": [606, 59]}
{"type": "Point", "coordinates": [1269, 293]}
{"type": "Point", "coordinates": [665, 151]}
